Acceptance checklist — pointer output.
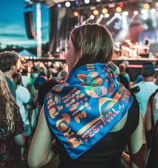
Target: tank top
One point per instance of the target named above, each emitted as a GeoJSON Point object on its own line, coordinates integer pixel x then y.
{"type": "Point", "coordinates": [107, 152]}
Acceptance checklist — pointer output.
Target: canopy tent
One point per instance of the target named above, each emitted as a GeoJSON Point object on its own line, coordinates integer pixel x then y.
{"type": "Point", "coordinates": [26, 53]}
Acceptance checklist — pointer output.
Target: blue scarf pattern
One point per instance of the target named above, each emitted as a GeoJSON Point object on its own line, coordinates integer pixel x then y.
{"type": "Point", "coordinates": [86, 107]}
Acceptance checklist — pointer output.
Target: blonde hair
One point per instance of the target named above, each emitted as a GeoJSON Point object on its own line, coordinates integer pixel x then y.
{"type": "Point", "coordinates": [7, 103]}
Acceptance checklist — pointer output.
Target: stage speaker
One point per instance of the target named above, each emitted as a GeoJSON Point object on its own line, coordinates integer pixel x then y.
{"type": "Point", "coordinates": [29, 25]}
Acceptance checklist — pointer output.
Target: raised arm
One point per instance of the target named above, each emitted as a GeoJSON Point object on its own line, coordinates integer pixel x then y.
{"type": "Point", "coordinates": [137, 146]}
{"type": "Point", "coordinates": [40, 151]}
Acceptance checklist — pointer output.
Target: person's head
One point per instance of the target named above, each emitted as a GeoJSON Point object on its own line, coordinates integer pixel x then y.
{"type": "Point", "coordinates": [114, 67]}
{"type": "Point", "coordinates": [61, 76]}
{"type": "Point", "coordinates": [9, 61]}
{"type": "Point", "coordinates": [8, 105]}
{"type": "Point", "coordinates": [25, 72]}
{"type": "Point", "coordinates": [88, 44]}
{"type": "Point", "coordinates": [17, 78]}
{"type": "Point", "coordinates": [39, 81]}
{"type": "Point", "coordinates": [122, 68]}
{"type": "Point", "coordinates": [148, 71]}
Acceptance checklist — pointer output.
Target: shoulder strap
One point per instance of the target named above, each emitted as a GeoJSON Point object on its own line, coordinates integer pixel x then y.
{"type": "Point", "coordinates": [151, 105]}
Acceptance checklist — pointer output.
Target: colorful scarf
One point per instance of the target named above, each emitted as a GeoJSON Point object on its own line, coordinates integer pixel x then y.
{"type": "Point", "coordinates": [86, 107]}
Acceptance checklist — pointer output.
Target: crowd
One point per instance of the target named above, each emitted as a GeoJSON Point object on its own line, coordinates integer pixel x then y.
{"type": "Point", "coordinates": [86, 112]}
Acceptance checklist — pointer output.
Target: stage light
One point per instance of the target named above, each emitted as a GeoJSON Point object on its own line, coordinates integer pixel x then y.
{"type": "Point", "coordinates": [104, 10]}
{"type": "Point", "coordinates": [146, 6]}
{"type": "Point", "coordinates": [98, 0]}
{"type": "Point", "coordinates": [92, 17]}
{"type": "Point", "coordinates": [153, 11]}
{"type": "Point", "coordinates": [135, 12]}
{"type": "Point", "coordinates": [76, 14]}
{"type": "Point", "coordinates": [117, 15]}
{"type": "Point", "coordinates": [144, 14]}
{"type": "Point", "coordinates": [76, 2]}
{"type": "Point", "coordinates": [111, 9]}
{"type": "Point", "coordinates": [107, 15]}
{"type": "Point", "coordinates": [95, 12]}
{"type": "Point", "coordinates": [156, 4]}
{"type": "Point", "coordinates": [67, 4]}
{"type": "Point", "coordinates": [118, 9]}
{"type": "Point", "coordinates": [125, 13]}
{"type": "Point", "coordinates": [59, 5]}
{"type": "Point", "coordinates": [86, 1]}
{"type": "Point", "coordinates": [121, 5]}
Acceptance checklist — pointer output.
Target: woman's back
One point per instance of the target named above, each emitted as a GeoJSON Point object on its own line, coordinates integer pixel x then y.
{"type": "Point", "coordinates": [7, 140]}
{"type": "Point", "coordinates": [107, 152]}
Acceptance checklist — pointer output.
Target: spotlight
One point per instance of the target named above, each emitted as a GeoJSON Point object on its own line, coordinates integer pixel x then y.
{"type": "Point", "coordinates": [121, 5]}
{"type": "Point", "coordinates": [146, 6]}
{"type": "Point", "coordinates": [107, 15]}
{"type": "Point", "coordinates": [118, 9]}
{"type": "Point", "coordinates": [67, 4]}
{"type": "Point", "coordinates": [156, 4]}
{"type": "Point", "coordinates": [135, 12]}
{"type": "Point", "coordinates": [59, 5]}
{"type": "Point", "coordinates": [92, 17]}
{"type": "Point", "coordinates": [86, 1]}
{"type": "Point", "coordinates": [153, 11]}
{"type": "Point", "coordinates": [76, 14]}
{"type": "Point", "coordinates": [95, 12]}
{"type": "Point", "coordinates": [76, 3]}
{"type": "Point", "coordinates": [125, 13]}
{"type": "Point", "coordinates": [104, 11]}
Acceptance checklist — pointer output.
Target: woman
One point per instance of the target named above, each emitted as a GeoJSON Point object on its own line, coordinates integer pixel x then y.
{"type": "Point", "coordinates": [23, 100]}
{"type": "Point", "coordinates": [11, 126]}
{"type": "Point", "coordinates": [92, 116]}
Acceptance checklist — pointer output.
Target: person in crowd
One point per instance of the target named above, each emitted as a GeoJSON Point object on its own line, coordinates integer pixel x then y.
{"type": "Point", "coordinates": [34, 91]}
{"type": "Point", "coordinates": [43, 86]}
{"type": "Point", "coordinates": [146, 87]}
{"type": "Point", "coordinates": [9, 63]}
{"type": "Point", "coordinates": [139, 78]}
{"type": "Point", "coordinates": [23, 98]}
{"type": "Point", "coordinates": [123, 79]}
{"type": "Point", "coordinates": [25, 78]}
{"type": "Point", "coordinates": [62, 75]}
{"type": "Point", "coordinates": [11, 126]}
{"type": "Point", "coordinates": [126, 73]}
{"type": "Point", "coordinates": [91, 115]}
{"type": "Point", "coordinates": [113, 67]}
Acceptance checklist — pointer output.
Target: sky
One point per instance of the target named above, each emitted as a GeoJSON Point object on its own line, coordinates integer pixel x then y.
{"type": "Point", "coordinates": [12, 23]}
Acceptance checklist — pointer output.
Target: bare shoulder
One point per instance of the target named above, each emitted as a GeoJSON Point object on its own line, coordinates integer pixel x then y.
{"type": "Point", "coordinates": [120, 124]}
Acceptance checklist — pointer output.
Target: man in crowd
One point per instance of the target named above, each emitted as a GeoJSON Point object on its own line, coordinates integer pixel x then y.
{"type": "Point", "coordinates": [146, 86]}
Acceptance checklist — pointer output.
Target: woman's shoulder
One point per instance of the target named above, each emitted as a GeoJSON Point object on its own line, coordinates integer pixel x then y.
{"type": "Point", "coordinates": [132, 116]}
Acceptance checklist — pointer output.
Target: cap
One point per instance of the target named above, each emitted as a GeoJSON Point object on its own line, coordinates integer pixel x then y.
{"type": "Point", "coordinates": [148, 70]}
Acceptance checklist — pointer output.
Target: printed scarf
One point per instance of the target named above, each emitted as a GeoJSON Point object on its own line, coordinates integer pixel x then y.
{"type": "Point", "coordinates": [86, 107]}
